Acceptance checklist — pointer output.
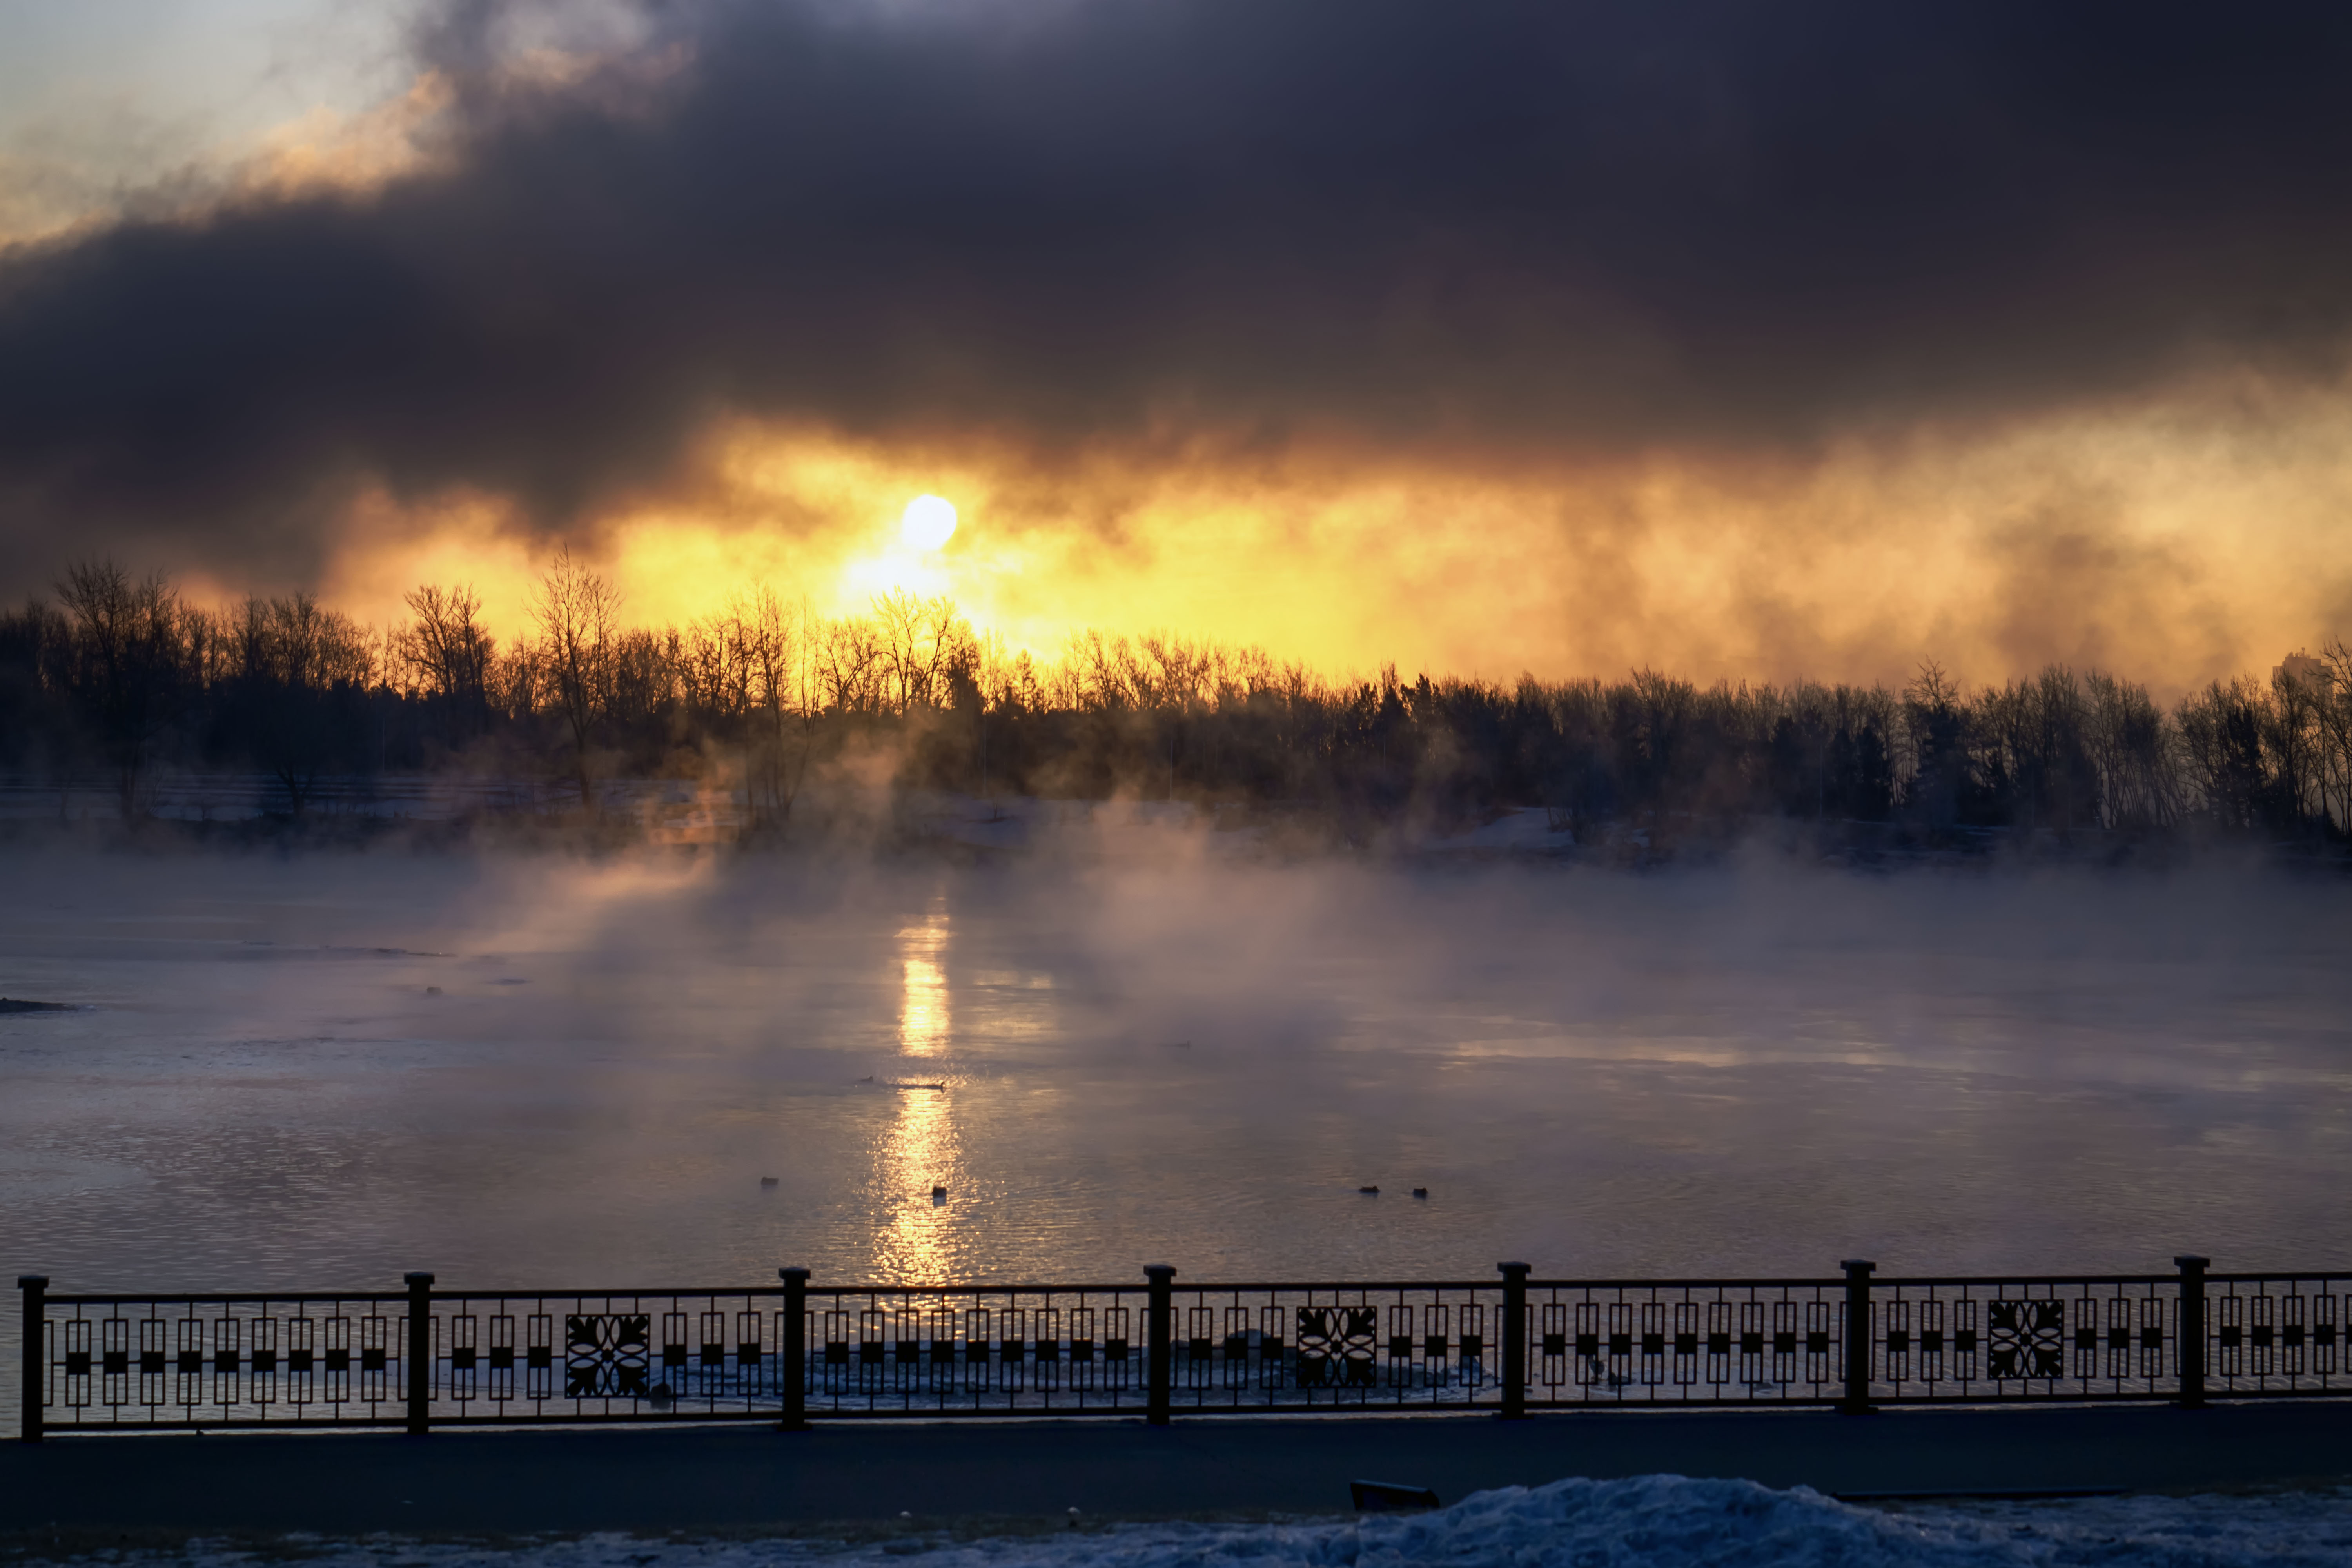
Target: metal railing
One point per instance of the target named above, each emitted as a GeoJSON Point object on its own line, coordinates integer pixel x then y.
{"type": "Point", "coordinates": [794, 1352]}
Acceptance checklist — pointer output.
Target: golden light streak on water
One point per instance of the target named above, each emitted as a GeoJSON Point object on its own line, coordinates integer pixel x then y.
{"type": "Point", "coordinates": [922, 1147]}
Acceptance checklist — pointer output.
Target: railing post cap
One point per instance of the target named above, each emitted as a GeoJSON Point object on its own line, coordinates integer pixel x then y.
{"type": "Point", "coordinates": [1856, 1265]}
{"type": "Point", "coordinates": [1160, 1270]}
{"type": "Point", "coordinates": [32, 1281]}
{"type": "Point", "coordinates": [1508, 1269]}
{"type": "Point", "coordinates": [418, 1277]}
{"type": "Point", "coordinates": [800, 1274]}
{"type": "Point", "coordinates": [2190, 1260]}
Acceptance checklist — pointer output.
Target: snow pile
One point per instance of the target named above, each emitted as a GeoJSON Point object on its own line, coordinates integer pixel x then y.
{"type": "Point", "coordinates": [1653, 1521]}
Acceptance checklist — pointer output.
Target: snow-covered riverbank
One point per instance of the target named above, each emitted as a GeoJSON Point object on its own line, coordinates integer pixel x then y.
{"type": "Point", "coordinates": [1651, 1521]}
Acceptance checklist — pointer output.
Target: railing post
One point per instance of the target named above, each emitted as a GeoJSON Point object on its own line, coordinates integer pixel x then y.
{"type": "Point", "coordinates": [1857, 1338]}
{"type": "Point", "coordinates": [795, 1349]}
{"type": "Point", "coordinates": [1158, 1338]}
{"type": "Point", "coordinates": [2189, 1355]}
{"type": "Point", "coordinates": [1515, 1341]}
{"type": "Point", "coordinates": [420, 1353]}
{"type": "Point", "coordinates": [37, 1351]}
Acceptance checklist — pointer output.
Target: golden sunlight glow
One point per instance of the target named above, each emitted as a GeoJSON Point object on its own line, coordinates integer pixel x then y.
{"type": "Point", "coordinates": [922, 1148]}
{"type": "Point", "coordinates": [923, 1014]}
{"type": "Point", "coordinates": [862, 578]}
{"type": "Point", "coordinates": [927, 523]}
{"type": "Point", "coordinates": [2172, 543]}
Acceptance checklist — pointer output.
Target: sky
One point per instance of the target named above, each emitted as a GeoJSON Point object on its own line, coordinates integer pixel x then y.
{"type": "Point", "coordinates": [1746, 341]}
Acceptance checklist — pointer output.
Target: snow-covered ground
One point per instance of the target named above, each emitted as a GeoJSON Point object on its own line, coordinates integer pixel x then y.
{"type": "Point", "coordinates": [1651, 1521]}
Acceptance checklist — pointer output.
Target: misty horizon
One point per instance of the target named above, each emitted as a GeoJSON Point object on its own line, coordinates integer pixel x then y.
{"type": "Point", "coordinates": [775, 708]}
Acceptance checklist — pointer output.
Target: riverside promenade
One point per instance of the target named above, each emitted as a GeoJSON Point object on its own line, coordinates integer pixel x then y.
{"type": "Point", "coordinates": [1026, 1475]}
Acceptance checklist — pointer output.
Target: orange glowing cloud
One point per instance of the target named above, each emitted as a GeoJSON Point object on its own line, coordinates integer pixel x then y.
{"type": "Point", "coordinates": [1495, 347]}
{"type": "Point", "coordinates": [2175, 542]}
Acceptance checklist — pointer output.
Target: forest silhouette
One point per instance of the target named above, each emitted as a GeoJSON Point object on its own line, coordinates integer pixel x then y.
{"type": "Point", "coordinates": [120, 679]}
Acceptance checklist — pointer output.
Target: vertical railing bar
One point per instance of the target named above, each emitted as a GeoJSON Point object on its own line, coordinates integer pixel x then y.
{"type": "Point", "coordinates": [420, 1353]}
{"type": "Point", "coordinates": [35, 1357]}
{"type": "Point", "coordinates": [1857, 1337]}
{"type": "Point", "coordinates": [1159, 1331]}
{"type": "Point", "coordinates": [1515, 1339]}
{"type": "Point", "coordinates": [2189, 1355]}
{"type": "Point", "coordinates": [795, 1350]}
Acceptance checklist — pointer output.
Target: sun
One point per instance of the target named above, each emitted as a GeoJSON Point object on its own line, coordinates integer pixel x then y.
{"type": "Point", "coordinates": [927, 522]}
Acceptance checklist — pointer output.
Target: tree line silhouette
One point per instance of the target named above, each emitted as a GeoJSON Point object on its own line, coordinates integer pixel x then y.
{"type": "Point", "coordinates": [125, 675]}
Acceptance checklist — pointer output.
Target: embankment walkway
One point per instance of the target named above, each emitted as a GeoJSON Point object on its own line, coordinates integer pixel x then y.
{"type": "Point", "coordinates": [738, 1477]}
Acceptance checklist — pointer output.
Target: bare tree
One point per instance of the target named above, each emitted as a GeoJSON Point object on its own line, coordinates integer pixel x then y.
{"type": "Point", "coordinates": [716, 663]}
{"type": "Point", "coordinates": [645, 669]}
{"type": "Point", "coordinates": [852, 668]}
{"type": "Point", "coordinates": [2130, 743]}
{"type": "Point", "coordinates": [2221, 741]}
{"type": "Point", "coordinates": [127, 666]}
{"type": "Point", "coordinates": [2295, 735]}
{"type": "Point", "coordinates": [295, 661]}
{"type": "Point", "coordinates": [2336, 732]}
{"type": "Point", "coordinates": [925, 646]}
{"type": "Point", "coordinates": [775, 655]}
{"type": "Point", "coordinates": [451, 654]}
{"type": "Point", "coordinates": [576, 611]}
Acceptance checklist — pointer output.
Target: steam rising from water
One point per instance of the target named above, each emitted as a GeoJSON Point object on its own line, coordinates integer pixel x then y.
{"type": "Point", "coordinates": [1752, 1070]}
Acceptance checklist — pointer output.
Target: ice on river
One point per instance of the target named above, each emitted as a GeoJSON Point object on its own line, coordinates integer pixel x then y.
{"type": "Point", "coordinates": [1650, 1522]}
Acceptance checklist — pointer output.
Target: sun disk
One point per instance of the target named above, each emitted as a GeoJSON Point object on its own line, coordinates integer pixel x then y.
{"type": "Point", "coordinates": [927, 522]}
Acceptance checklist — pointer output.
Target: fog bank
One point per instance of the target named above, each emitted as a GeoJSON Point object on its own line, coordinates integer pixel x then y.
{"type": "Point", "coordinates": [324, 1070]}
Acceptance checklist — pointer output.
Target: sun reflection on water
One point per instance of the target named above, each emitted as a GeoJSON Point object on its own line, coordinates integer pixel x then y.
{"type": "Point", "coordinates": [921, 1149]}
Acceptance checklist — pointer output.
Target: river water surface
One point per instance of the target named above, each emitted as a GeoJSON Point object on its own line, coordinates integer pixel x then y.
{"type": "Point", "coordinates": [550, 1072]}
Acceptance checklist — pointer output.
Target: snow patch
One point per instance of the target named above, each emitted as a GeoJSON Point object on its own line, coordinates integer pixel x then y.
{"type": "Point", "coordinates": [1651, 1521]}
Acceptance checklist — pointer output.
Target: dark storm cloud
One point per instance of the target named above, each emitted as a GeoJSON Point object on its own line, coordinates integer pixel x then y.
{"type": "Point", "coordinates": [1548, 228]}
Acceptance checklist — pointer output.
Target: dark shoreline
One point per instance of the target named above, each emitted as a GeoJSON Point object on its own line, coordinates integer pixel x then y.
{"type": "Point", "coordinates": [847, 1479]}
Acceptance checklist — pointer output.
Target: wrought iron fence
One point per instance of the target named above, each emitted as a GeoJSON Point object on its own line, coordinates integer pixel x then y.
{"type": "Point", "coordinates": [792, 1351]}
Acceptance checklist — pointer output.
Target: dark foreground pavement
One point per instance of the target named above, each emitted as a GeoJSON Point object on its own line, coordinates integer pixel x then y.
{"type": "Point", "coordinates": [727, 1479]}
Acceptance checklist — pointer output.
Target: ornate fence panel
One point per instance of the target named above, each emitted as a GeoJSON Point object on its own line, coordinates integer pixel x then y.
{"type": "Point", "coordinates": [586, 1355]}
{"type": "Point", "coordinates": [2277, 1334]}
{"type": "Point", "coordinates": [135, 1362]}
{"type": "Point", "coordinates": [1977, 1340]}
{"type": "Point", "coordinates": [1373, 1347]}
{"type": "Point", "coordinates": [1738, 1341]}
{"type": "Point", "coordinates": [785, 1353]}
{"type": "Point", "coordinates": [1076, 1350]}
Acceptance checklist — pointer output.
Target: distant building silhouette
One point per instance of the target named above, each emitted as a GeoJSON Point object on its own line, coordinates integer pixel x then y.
{"type": "Point", "coordinates": [2299, 669]}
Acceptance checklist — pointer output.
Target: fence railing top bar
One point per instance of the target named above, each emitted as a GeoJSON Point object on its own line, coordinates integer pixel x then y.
{"type": "Point", "coordinates": [1260, 1286]}
{"type": "Point", "coordinates": [1184, 1286]}
{"type": "Point", "coordinates": [1887, 1281]}
{"type": "Point", "coordinates": [1811, 1282]}
{"type": "Point", "coordinates": [1123, 1287]}
{"type": "Point", "coordinates": [215, 1298]}
{"type": "Point", "coordinates": [1264, 1287]}
{"type": "Point", "coordinates": [664, 1293]}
